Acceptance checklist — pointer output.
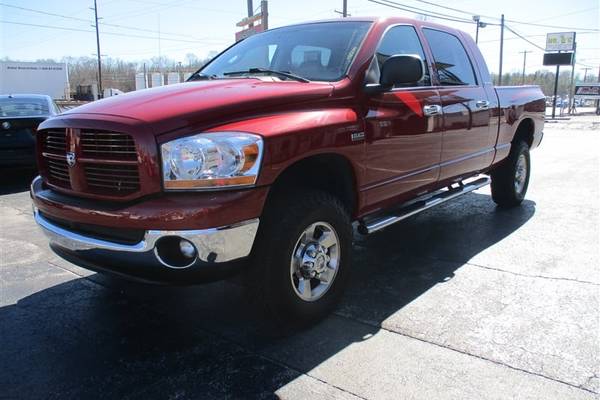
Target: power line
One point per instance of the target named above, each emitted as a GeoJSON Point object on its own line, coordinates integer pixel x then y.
{"type": "Point", "coordinates": [90, 21]}
{"type": "Point", "coordinates": [570, 28]}
{"type": "Point", "coordinates": [524, 38]}
{"type": "Point", "coordinates": [453, 9]}
{"type": "Point", "coordinates": [507, 20]}
{"type": "Point", "coordinates": [104, 33]}
{"type": "Point", "coordinates": [563, 15]}
{"type": "Point", "coordinates": [420, 11]}
{"type": "Point", "coordinates": [45, 13]}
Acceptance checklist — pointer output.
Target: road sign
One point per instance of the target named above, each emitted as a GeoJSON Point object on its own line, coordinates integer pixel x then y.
{"type": "Point", "coordinates": [561, 41]}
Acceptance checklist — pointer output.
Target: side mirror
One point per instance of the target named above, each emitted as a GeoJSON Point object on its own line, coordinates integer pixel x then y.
{"type": "Point", "coordinates": [398, 70]}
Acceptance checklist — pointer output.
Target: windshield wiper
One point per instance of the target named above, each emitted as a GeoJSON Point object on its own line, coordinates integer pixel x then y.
{"type": "Point", "coordinates": [285, 74]}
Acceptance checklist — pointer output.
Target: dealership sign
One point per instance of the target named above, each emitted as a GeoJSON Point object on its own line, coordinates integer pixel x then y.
{"type": "Point", "coordinates": [562, 41]}
{"type": "Point", "coordinates": [251, 30]}
{"type": "Point", "coordinates": [253, 24]}
{"type": "Point", "coordinates": [588, 91]}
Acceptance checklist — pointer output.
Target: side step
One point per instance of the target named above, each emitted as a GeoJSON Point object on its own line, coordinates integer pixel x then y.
{"type": "Point", "coordinates": [376, 224]}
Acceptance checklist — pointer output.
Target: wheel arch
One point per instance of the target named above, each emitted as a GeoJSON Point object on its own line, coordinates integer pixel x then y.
{"type": "Point", "coordinates": [332, 173]}
{"type": "Point", "coordinates": [525, 131]}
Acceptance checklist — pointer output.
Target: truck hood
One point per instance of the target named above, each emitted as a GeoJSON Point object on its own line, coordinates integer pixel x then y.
{"type": "Point", "coordinates": [187, 104]}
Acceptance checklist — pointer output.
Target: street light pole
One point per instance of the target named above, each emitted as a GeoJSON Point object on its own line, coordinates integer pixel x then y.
{"type": "Point", "coordinates": [345, 9]}
{"type": "Point", "coordinates": [101, 93]}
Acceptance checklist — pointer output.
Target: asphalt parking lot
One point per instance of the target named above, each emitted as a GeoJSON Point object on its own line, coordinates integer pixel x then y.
{"type": "Point", "coordinates": [462, 301]}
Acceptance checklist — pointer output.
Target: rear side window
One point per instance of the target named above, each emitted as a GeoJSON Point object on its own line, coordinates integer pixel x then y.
{"type": "Point", "coordinates": [400, 39]}
{"type": "Point", "coordinates": [451, 60]}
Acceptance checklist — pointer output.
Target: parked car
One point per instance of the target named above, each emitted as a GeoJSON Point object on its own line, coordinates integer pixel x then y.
{"type": "Point", "coordinates": [268, 155]}
{"type": "Point", "coordinates": [20, 115]}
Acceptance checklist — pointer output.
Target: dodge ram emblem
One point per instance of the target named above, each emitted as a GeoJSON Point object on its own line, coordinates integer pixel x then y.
{"type": "Point", "coordinates": [71, 160]}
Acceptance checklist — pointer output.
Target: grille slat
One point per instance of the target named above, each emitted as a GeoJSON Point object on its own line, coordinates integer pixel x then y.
{"type": "Point", "coordinates": [120, 178]}
{"type": "Point", "coordinates": [132, 180]}
{"type": "Point", "coordinates": [58, 173]}
{"type": "Point", "coordinates": [55, 142]}
{"type": "Point", "coordinates": [103, 151]}
{"type": "Point", "coordinates": [103, 170]}
{"type": "Point", "coordinates": [108, 144]}
{"type": "Point", "coordinates": [107, 178]}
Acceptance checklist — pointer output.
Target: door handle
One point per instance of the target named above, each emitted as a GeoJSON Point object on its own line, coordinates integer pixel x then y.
{"type": "Point", "coordinates": [482, 105]}
{"type": "Point", "coordinates": [434, 109]}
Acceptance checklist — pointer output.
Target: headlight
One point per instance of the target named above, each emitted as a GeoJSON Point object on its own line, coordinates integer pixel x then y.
{"type": "Point", "coordinates": [211, 160]}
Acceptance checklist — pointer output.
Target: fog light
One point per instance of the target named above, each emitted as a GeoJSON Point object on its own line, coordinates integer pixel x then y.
{"type": "Point", "coordinates": [187, 248]}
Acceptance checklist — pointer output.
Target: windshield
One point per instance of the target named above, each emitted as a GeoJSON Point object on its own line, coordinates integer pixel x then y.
{"type": "Point", "coordinates": [12, 107]}
{"type": "Point", "coordinates": [317, 52]}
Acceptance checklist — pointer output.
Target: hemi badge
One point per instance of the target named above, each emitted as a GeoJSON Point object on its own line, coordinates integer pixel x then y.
{"type": "Point", "coordinates": [357, 136]}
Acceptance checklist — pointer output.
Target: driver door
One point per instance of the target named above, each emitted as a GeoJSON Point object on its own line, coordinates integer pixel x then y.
{"type": "Point", "coordinates": [403, 127]}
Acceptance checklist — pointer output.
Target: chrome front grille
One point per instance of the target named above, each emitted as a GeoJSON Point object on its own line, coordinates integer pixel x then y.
{"type": "Point", "coordinates": [105, 162]}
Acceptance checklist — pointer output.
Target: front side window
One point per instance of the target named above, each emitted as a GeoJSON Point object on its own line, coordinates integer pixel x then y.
{"type": "Point", "coordinates": [317, 52]}
{"type": "Point", "coordinates": [398, 40]}
{"type": "Point", "coordinates": [451, 60]}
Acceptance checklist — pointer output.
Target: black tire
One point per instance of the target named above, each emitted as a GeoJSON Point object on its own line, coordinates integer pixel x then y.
{"type": "Point", "coordinates": [506, 192]}
{"type": "Point", "coordinates": [270, 278]}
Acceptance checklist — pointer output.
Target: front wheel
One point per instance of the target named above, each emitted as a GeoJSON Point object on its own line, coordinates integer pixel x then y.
{"type": "Point", "coordinates": [511, 180]}
{"type": "Point", "coordinates": [301, 262]}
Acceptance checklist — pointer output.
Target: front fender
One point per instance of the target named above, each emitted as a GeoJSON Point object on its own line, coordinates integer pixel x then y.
{"type": "Point", "coordinates": [292, 136]}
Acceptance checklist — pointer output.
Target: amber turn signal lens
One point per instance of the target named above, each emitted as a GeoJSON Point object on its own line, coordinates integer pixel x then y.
{"type": "Point", "coordinates": [210, 183]}
{"type": "Point", "coordinates": [250, 156]}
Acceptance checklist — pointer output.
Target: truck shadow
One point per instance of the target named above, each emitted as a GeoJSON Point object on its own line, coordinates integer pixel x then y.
{"type": "Point", "coordinates": [79, 340]}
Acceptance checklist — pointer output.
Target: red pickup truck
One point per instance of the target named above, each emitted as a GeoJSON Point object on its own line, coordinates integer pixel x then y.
{"type": "Point", "coordinates": [271, 154]}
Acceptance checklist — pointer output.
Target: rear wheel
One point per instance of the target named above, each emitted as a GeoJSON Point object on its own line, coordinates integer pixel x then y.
{"type": "Point", "coordinates": [511, 180]}
{"type": "Point", "coordinates": [302, 255]}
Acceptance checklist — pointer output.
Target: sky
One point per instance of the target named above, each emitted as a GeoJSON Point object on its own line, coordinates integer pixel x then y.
{"type": "Point", "coordinates": [129, 29]}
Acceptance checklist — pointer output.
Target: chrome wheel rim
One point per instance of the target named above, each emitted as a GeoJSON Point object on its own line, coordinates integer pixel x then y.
{"type": "Point", "coordinates": [521, 173]}
{"type": "Point", "coordinates": [315, 261]}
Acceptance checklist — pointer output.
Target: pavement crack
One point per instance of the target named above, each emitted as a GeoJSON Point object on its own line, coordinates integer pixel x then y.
{"type": "Point", "coordinates": [511, 272]}
{"type": "Point", "coordinates": [447, 347]}
{"type": "Point", "coordinates": [534, 276]}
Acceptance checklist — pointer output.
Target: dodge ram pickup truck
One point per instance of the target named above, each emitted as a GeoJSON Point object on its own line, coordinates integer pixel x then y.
{"type": "Point", "coordinates": [269, 157]}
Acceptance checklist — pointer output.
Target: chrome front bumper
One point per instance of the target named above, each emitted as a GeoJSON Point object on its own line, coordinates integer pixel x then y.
{"type": "Point", "coordinates": [215, 245]}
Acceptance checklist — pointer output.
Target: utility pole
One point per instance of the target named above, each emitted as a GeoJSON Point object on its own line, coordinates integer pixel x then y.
{"type": "Point", "coordinates": [250, 9]}
{"type": "Point", "coordinates": [345, 8]}
{"type": "Point", "coordinates": [555, 91]}
{"type": "Point", "coordinates": [159, 49]}
{"type": "Point", "coordinates": [598, 101]}
{"type": "Point", "coordinates": [572, 82]}
{"type": "Point", "coordinates": [585, 70]}
{"type": "Point", "coordinates": [501, 49]}
{"type": "Point", "coordinates": [524, 52]}
{"type": "Point", "coordinates": [145, 77]}
{"type": "Point", "coordinates": [264, 12]}
{"type": "Point", "coordinates": [100, 92]}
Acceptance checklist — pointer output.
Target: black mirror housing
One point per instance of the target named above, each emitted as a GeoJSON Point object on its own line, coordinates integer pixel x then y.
{"type": "Point", "coordinates": [401, 70]}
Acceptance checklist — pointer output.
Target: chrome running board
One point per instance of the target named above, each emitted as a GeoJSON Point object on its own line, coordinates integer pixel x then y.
{"type": "Point", "coordinates": [373, 225]}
